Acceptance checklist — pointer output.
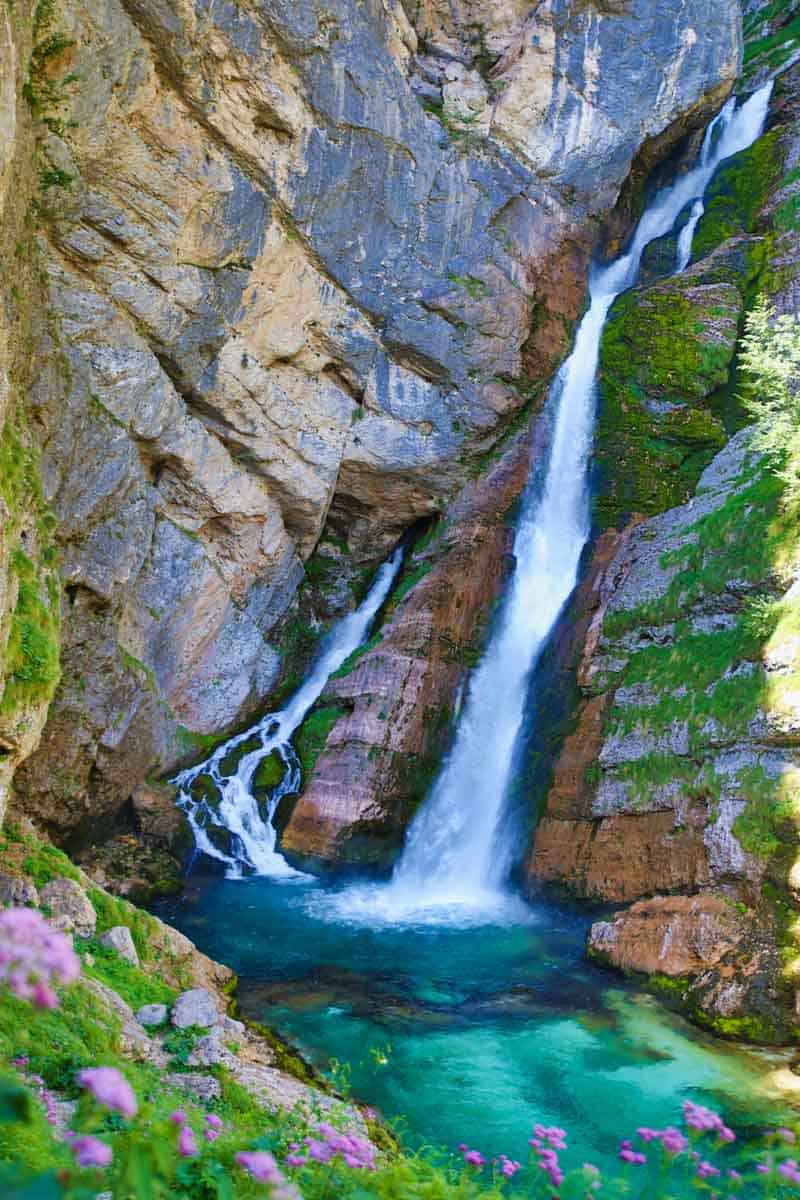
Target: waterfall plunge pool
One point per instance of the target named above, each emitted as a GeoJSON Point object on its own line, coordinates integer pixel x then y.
{"type": "Point", "coordinates": [486, 1028]}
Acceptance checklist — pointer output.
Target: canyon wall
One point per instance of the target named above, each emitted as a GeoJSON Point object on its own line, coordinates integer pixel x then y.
{"type": "Point", "coordinates": [676, 791]}
{"type": "Point", "coordinates": [284, 271]}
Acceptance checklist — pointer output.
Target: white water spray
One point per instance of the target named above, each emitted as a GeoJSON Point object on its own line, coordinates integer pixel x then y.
{"type": "Point", "coordinates": [249, 832]}
{"type": "Point", "coordinates": [450, 858]}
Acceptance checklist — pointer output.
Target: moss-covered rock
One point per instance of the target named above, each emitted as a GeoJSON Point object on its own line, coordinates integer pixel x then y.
{"type": "Point", "coordinates": [666, 352]}
{"type": "Point", "coordinates": [738, 192]}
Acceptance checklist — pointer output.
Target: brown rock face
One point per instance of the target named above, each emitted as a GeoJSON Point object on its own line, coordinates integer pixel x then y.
{"type": "Point", "coordinates": [381, 756]}
{"type": "Point", "coordinates": [670, 935]}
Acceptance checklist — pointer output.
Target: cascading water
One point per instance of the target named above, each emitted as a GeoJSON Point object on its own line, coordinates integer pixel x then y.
{"type": "Point", "coordinates": [250, 833]}
{"type": "Point", "coordinates": [686, 237]}
{"type": "Point", "coordinates": [451, 856]}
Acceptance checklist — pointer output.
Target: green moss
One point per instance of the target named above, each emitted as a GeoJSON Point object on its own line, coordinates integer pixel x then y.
{"type": "Point", "coordinates": [32, 660]}
{"type": "Point", "coordinates": [658, 368]}
{"type": "Point", "coordinates": [738, 192]}
{"type": "Point", "coordinates": [757, 1029]}
{"type": "Point", "coordinates": [310, 738]}
{"type": "Point", "coordinates": [270, 772]}
{"type": "Point", "coordinates": [746, 538]}
{"type": "Point", "coordinates": [770, 822]}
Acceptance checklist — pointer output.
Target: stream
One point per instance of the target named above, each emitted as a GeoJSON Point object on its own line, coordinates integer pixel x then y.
{"type": "Point", "coordinates": [460, 1009]}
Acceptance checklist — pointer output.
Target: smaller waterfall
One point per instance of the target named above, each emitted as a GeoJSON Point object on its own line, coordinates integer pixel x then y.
{"type": "Point", "coordinates": [686, 237]}
{"type": "Point", "coordinates": [251, 834]}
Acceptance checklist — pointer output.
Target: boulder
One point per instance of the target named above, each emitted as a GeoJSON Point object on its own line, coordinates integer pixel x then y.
{"type": "Point", "coordinates": [16, 890]}
{"type": "Point", "coordinates": [119, 938]}
{"type": "Point", "coordinates": [211, 1051]}
{"type": "Point", "coordinates": [152, 1014]}
{"type": "Point", "coordinates": [194, 1008]}
{"type": "Point", "coordinates": [68, 902]}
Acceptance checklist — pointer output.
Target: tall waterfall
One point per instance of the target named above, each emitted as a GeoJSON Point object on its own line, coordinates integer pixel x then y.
{"type": "Point", "coordinates": [250, 834]}
{"type": "Point", "coordinates": [451, 856]}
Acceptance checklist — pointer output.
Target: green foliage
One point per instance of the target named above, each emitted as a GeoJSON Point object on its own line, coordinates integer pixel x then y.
{"type": "Point", "coordinates": [312, 735]}
{"type": "Point", "coordinates": [770, 364]}
{"type": "Point", "coordinates": [772, 812]}
{"type": "Point", "coordinates": [136, 987]}
{"type": "Point", "coordinates": [179, 1044]}
{"type": "Point", "coordinates": [112, 910]}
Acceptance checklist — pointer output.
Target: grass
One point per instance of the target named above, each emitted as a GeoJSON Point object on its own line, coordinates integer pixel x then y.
{"type": "Point", "coordinates": [135, 986]}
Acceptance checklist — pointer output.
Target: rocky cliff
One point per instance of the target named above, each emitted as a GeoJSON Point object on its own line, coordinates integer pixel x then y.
{"type": "Point", "coordinates": [280, 268]}
{"type": "Point", "coordinates": [676, 790]}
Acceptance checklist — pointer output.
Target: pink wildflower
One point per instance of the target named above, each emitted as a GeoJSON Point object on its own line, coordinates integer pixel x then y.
{"type": "Point", "coordinates": [178, 1117]}
{"type": "Point", "coordinates": [790, 1170]}
{"type": "Point", "coordinates": [214, 1121]}
{"type": "Point", "coordinates": [787, 1135]}
{"type": "Point", "coordinates": [91, 1152]}
{"type": "Point", "coordinates": [110, 1089]}
{"type": "Point", "coordinates": [34, 957]}
{"type": "Point", "coordinates": [705, 1170]}
{"type": "Point", "coordinates": [260, 1165]}
{"type": "Point", "coordinates": [673, 1140]}
{"type": "Point", "coordinates": [187, 1146]}
{"type": "Point", "coordinates": [474, 1158]}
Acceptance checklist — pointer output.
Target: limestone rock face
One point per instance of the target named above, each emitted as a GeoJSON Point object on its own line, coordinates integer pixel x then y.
{"type": "Point", "coordinates": [395, 702]}
{"type": "Point", "coordinates": [284, 296]}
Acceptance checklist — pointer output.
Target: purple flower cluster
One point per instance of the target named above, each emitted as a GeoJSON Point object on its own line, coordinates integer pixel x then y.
{"type": "Point", "coordinates": [473, 1158]}
{"type": "Point", "coordinates": [34, 957]}
{"type": "Point", "coordinates": [671, 1139]}
{"type": "Point", "coordinates": [547, 1140]}
{"type": "Point", "coordinates": [110, 1088]}
{"type": "Point", "coordinates": [90, 1151]}
{"type": "Point", "coordinates": [509, 1166]}
{"type": "Point", "coordinates": [353, 1149]}
{"type": "Point", "coordinates": [262, 1167]}
{"type": "Point", "coordinates": [629, 1155]}
{"type": "Point", "coordinates": [706, 1121]}
{"type": "Point", "coordinates": [790, 1170]}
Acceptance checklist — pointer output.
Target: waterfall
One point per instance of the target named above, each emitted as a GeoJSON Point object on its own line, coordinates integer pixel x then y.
{"type": "Point", "coordinates": [249, 832]}
{"type": "Point", "coordinates": [686, 237]}
{"type": "Point", "coordinates": [451, 856]}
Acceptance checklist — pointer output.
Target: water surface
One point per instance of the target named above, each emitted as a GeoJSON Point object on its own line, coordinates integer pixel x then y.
{"type": "Point", "coordinates": [487, 1028]}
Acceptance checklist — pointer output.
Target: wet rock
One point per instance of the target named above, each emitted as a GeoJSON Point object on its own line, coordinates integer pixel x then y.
{"type": "Point", "coordinates": [119, 938]}
{"type": "Point", "coordinates": [195, 1007]}
{"type": "Point", "coordinates": [67, 901]}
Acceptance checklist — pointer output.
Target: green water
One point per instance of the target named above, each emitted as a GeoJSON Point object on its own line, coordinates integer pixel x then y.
{"type": "Point", "coordinates": [486, 1028]}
